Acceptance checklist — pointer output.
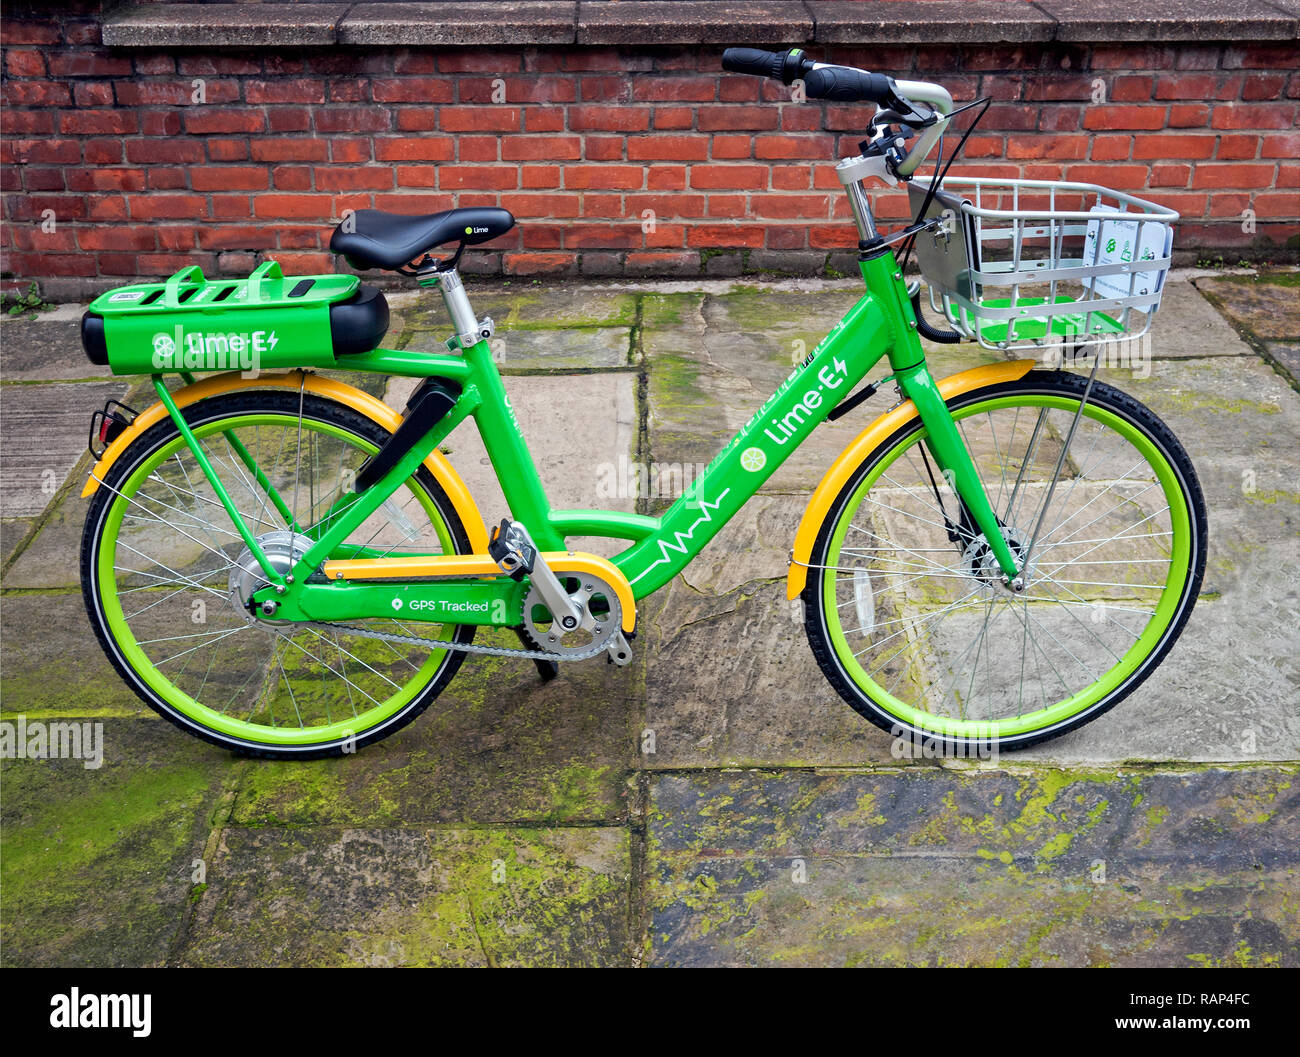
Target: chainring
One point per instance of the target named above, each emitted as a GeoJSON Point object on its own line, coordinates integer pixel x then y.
{"type": "Point", "coordinates": [601, 617]}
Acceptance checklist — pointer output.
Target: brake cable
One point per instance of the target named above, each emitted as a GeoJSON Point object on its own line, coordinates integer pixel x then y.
{"type": "Point", "coordinates": [954, 533]}
{"type": "Point", "coordinates": [939, 176]}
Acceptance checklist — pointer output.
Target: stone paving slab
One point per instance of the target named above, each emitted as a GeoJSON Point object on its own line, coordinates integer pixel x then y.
{"type": "Point", "coordinates": [385, 857]}
{"type": "Point", "coordinates": [588, 348]}
{"type": "Point", "coordinates": [1240, 422]}
{"type": "Point", "coordinates": [45, 429]}
{"type": "Point", "coordinates": [712, 369]}
{"type": "Point", "coordinates": [13, 531]}
{"type": "Point", "coordinates": [498, 746]}
{"type": "Point", "coordinates": [523, 306]}
{"type": "Point", "coordinates": [1187, 324]}
{"type": "Point", "coordinates": [52, 560]}
{"type": "Point", "coordinates": [97, 862]}
{"type": "Point", "coordinates": [51, 663]}
{"type": "Point", "coordinates": [1269, 306]}
{"type": "Point", "coordinates": [1287, 355]}
{"type": "Point", "coordinates": [932, 867]}
{"type": "Point", "coordinates": [578, 427]}
{"type": "Point", "coordinates": [44, 350]}
{"type": "Point", "coordinates": [330, 896]}
{"type": "Point", "coordinates": [761, 700]}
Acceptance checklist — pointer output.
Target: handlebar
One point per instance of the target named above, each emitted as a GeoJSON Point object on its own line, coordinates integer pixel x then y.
{"type": "Point", "coordinates": [845, 84]}
{"type": "Point", "coordinates": [842, 83]}
{"type": "Point", "coordinates": [785, 66]}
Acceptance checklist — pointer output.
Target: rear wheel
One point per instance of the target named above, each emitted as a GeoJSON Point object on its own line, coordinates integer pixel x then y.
{"type": "Point", "coordinates": [905, 607]}
{"type": "Point", "coordinates": [164, 573]}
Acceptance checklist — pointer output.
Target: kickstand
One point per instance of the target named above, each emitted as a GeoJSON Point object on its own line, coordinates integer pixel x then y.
{"type": "Point", "coordinates": [548, 670]}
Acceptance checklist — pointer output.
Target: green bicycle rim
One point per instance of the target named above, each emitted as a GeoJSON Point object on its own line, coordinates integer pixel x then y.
{"type": "Point", "coordinates": [1090, 695]}
{"type": "Point", "coordinates": [176, 698]}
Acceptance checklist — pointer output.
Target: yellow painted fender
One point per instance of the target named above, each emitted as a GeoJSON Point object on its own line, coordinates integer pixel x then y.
{"type": "Point", "coordinates": [861, 449]}
{"type": "Point", "coordinates": [328, 388]}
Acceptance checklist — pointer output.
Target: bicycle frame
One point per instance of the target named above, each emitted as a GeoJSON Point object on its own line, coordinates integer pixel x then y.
{"type": "Point", "coordinates": [881, 324]}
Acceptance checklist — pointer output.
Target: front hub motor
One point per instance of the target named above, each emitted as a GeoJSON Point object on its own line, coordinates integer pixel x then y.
{"type": "Point", "coordinates": [980, 562]}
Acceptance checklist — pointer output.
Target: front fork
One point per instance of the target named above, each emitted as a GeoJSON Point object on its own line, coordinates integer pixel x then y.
{"type": "Point", "coordinates": [953, 456]}
{"type": "Point", "coordinates": [943, 439]}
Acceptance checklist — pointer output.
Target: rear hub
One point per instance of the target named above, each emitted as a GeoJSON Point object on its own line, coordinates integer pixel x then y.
{"type": "Point", "coordinates": [283, 550]}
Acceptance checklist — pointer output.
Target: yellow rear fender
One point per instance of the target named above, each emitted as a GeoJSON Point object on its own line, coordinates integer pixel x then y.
{"type": "Point", "coordinates": [865, 445]}
{"type": "Point", "coordinates": [328, 388]}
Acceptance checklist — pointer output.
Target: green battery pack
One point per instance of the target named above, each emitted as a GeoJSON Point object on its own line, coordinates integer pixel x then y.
{"type": "Point", "coordinates": [264, 322]}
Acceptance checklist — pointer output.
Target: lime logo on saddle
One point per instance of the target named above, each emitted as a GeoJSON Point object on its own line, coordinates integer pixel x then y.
{"type": "Point", "coordinates": [208, 351]}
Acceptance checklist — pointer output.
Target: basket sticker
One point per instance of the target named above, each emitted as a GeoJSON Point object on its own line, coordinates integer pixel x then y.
{"type": "Point", "coordinates": [127, 295]}
{"type": "Point", "coordinates": [1110, 240]}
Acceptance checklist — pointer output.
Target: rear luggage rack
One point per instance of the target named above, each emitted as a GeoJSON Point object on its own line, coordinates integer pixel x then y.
{"type": "Point", "coordinates": [266, 321]}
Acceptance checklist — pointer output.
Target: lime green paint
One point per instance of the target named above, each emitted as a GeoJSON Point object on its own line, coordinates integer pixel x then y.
{"type": "Point", "coordinates": [270, 329]}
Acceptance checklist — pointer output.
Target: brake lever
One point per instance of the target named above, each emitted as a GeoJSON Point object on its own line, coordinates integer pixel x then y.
{"type": "Point", "coordinates": [893, 117]}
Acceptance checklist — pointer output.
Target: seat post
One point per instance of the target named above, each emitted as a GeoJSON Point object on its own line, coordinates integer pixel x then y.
{"type": "Point", "coordinates": [458, 306]}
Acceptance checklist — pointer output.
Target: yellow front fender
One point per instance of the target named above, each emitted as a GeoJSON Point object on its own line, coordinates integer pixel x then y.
{"type": "Point", "coordinates": [328, 388]}
{"type": "Point", "coordinates": [861, 449]}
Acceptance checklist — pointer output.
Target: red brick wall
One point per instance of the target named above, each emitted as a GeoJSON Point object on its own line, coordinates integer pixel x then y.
{"type": "Point", "coordinates": [142, 181]}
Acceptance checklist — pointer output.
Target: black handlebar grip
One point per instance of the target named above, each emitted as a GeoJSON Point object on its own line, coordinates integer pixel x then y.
{"type": "Point", "coordinates": [847, 85]}
{"type": "Point", "coordinates": [752, 60]}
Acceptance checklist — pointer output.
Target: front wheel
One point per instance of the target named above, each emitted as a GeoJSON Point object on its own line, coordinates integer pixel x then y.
{"type": "Point", "coordinates": [166, 577]}
{"type": "Point", "coordinates": [905, 607]}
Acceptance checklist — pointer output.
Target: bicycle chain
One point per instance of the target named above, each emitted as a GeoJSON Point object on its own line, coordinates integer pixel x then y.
{"type": "Point", "coordinates": [461, 647]}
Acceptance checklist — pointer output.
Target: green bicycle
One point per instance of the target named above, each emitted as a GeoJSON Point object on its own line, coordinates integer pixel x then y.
{"type": "Point", "coordinates": [283, 565]}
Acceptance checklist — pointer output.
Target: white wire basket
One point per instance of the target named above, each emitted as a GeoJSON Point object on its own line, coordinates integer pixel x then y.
{"type": "Point", "coordinates": [1026, 264]}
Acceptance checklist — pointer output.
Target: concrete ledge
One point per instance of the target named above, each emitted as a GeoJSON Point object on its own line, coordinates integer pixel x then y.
{"type": "Point", "coordinates": [761, 23]}
{"type": "Point", "coordinates": [1169, 20]}
{"type": "Point", "coordinates": [928, 22]}
{"type": "Point", "coordinates": [223, 25]}
{"type": "Point", "coordinates": [767, 23]}
{"type": "Point", "coordinates": [476, 22]}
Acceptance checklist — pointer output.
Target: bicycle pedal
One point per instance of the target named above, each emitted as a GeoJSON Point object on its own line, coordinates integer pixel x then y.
{"type": "Point", "coordinates": [515, 553]}
{"type": "Point", "coordinates": [512, 549]}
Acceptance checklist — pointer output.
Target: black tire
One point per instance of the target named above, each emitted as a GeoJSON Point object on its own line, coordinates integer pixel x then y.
{"type": "Point", "coordinates": [1036, 382]}
{"type": "Point", "coordinates": [197, 415]}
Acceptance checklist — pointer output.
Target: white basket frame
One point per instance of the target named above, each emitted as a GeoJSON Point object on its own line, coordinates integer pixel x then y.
{"type": "Point", "coordinates": [962, 278]}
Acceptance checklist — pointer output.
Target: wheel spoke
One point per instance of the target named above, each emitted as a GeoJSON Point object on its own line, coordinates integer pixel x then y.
{"type": "Point", "coordinates": [269, 679]}
{"type": "Point", "coordinates": [936, 637]}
